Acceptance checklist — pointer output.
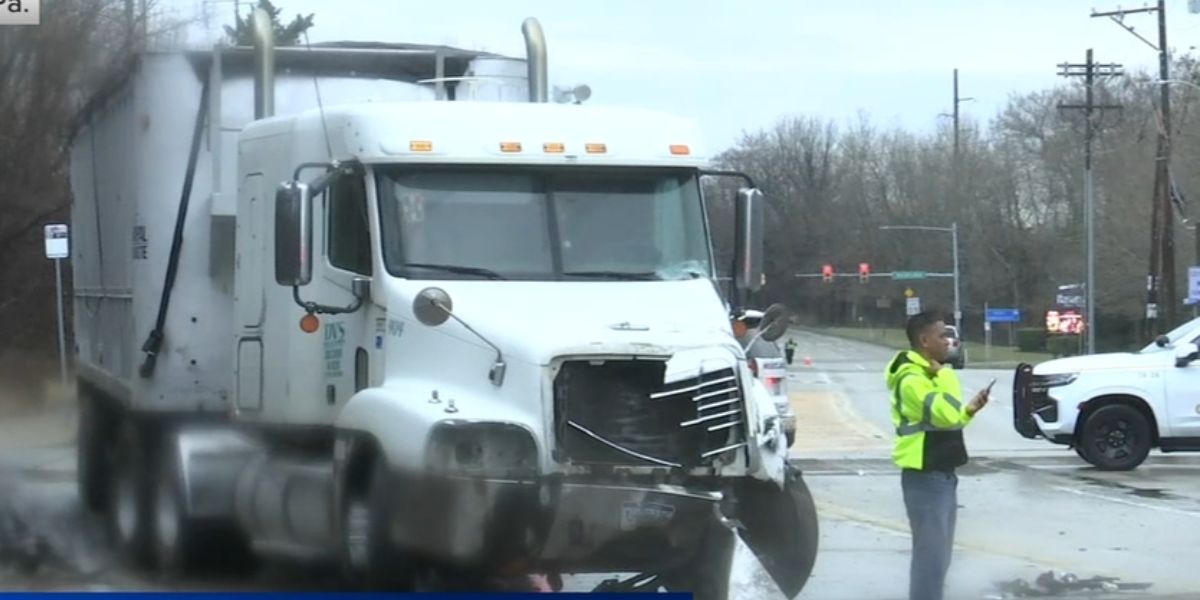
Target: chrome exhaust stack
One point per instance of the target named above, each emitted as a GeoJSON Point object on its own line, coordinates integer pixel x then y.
{"type": "Point", "coordinates": [535, 57]}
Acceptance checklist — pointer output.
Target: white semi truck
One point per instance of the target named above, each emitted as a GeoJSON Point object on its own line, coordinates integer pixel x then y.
{"type": "Point", "coordinates": [385, 305]}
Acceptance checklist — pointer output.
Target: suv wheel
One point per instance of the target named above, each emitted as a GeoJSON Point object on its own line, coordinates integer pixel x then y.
{"type": "Point", "coordinates": [1115, 438]}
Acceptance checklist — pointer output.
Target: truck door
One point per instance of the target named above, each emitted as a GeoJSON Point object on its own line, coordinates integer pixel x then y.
{"type": "Point", "coordinates": [249, 296]}
{"type": "Point", "coordinates": [351, 346]}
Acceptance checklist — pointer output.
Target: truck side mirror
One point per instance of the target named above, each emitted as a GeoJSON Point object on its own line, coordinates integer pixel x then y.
{"type": "Point", "coordinates": [1185, 354]}
{"type": "Point", "coordinates": [748, 240]}
{"type": "Point", "coordinates": [775, 322]}
{"type": "Point", "coordinates": [293, 234]}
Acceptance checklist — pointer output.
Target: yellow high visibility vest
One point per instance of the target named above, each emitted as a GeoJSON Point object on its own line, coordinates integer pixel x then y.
{"type": "Point", "coordinates": [928, 413]}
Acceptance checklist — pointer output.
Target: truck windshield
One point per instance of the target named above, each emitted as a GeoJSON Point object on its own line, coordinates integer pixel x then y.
{"type": "Point", "coordinates": [550, 223]}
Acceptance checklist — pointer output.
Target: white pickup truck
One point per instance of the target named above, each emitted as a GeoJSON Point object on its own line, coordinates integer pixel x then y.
{"type": "Point", "coordinates": [1114, 408]}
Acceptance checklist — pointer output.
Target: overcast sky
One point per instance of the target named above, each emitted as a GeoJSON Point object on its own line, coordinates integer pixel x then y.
{"type": "Point", "coordinates": [740, 66]}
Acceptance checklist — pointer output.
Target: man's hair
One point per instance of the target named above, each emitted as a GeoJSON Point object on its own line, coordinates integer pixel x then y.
{"type": "Point", "coordinates": [918, 323]}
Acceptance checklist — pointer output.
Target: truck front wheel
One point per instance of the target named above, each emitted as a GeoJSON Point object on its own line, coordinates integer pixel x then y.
{"type": "Point", "coordinates": [1116, 437]}
{"type": "Point", "coordinates": [707, 575]}
{"type": "Point", "coordinates": [368, 553]}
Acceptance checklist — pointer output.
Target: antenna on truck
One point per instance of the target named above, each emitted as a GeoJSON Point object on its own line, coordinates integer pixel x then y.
{"type": "Point", "coordinates": [320, 105]}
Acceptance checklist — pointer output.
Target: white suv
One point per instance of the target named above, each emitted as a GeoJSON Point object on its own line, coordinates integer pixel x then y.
{"type": "Point", "coordinates": [1113, 408]}
{"type": "Point", "coordinates": [767, 363]}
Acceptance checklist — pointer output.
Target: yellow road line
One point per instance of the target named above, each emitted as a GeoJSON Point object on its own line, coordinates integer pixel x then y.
{"type": "Point", "coordinates": [825, 421]}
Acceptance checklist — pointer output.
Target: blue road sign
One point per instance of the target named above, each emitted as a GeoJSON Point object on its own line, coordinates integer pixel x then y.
{"type": "Point", "coordinates": [1194, 284]}
{"type": "Point", "coordinates": [1004, 315]}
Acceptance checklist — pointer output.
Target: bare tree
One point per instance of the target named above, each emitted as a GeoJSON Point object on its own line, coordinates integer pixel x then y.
{"type": "Point", "coordinates": [1015, 190]}
{"type": "Point", "coordinates": [46, 73]}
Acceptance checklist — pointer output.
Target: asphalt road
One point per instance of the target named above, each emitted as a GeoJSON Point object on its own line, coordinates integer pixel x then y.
{"type": "Point", "coordinates": [1025, 506]}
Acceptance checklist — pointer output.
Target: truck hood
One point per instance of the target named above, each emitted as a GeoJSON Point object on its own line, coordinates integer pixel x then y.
{"type": "Point", "coordinates": [1102, 362]}
{"type": "Point", "coordinates": [535, 322]}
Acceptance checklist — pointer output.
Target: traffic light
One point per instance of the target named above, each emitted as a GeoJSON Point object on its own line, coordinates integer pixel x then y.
{"type": "Point", "coordinates": [864, 272]}
{"type": "Point", "coordinates": [827, 273]}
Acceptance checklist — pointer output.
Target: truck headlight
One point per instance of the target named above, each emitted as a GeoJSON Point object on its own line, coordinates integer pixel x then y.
{"type": "Point", "coordinates": [481, 449]}
{"type": "Point", "coordinates": [1050, 381]}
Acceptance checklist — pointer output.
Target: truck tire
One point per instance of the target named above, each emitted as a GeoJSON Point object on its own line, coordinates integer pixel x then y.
{"type": "Point", "coordinates": [174, 533]}
{"type": "Point", "coordinates": [370, 558]}
{"type": "Point", "coordinates": [1116, 437]}
{"type": "Point", "coordinates": [93, 450]}
{"type": "Point", "coordinates": [707, 575]}
{"type": "Point", "coordinates": [129, 493]}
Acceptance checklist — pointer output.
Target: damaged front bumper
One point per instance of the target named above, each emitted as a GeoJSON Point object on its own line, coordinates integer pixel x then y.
{"type": "Point", "coordinates": [550, 523]}
{"type": "Point", "coordinates": [602, 524]}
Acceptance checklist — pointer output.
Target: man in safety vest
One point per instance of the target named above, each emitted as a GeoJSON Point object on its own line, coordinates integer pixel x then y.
{"type": "Point", "coordinates": [929, 416]}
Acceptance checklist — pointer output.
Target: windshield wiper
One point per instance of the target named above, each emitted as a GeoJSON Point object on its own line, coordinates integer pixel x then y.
{"type": "Point", "coordinates": [460, 269]}
{"type": "Point", "coordinates": [616, 275]}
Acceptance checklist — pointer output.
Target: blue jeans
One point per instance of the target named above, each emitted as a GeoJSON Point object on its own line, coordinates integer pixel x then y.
{"type": "Point", "coordinates": [931, 498]}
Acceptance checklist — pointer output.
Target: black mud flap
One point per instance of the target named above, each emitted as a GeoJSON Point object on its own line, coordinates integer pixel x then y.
{"type": "Point", "coordinates": [780, 527]}
{"type": "Point", "coordinates": [1023, 420]}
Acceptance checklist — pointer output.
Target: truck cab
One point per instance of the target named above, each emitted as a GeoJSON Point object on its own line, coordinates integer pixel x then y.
{"type": "Point", "coordinates": [1114, 408]}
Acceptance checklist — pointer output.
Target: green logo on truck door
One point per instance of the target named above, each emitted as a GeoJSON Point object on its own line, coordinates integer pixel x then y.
{"type": "Point", "coordinates": [335, 343]}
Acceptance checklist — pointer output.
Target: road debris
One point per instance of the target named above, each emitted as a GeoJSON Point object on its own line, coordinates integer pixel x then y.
{"type": "Point", "coordinates": [1053, 583]}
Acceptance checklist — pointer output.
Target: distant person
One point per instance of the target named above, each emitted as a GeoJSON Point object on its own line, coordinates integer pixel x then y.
{"type": "Point", "coordinates": [929, 417]}
{"type": "Point", "coordinates": [789, 350]}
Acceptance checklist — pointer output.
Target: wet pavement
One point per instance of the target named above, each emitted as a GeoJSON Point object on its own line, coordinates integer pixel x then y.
{"type": "Point", "coordinates": [1026, 507]}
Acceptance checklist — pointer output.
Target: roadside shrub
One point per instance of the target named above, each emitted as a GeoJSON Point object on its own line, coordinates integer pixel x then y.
{"type": "Point", "coordinates": [1031, 339]}
{"type": "Point", "coordinates": [1063, 345]}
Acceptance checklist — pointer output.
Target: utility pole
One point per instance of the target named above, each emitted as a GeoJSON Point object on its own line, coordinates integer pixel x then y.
{"type": "Point", "coordinates": [957, 100]}
{"type": "Point", "coordinates": [1089, 71]}
{"type": "Point", "coordinates": [956, 118]}
{"type": "Point", "coordinates": [957, 196]}
{"type": "Point", "coordinates": [1162, 225]}
{"type": "Point", "coordinates": [957, 300]}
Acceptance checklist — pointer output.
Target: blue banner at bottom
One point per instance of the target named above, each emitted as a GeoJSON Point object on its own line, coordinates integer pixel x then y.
{"type": "Point", "coordinates": [338, 595]}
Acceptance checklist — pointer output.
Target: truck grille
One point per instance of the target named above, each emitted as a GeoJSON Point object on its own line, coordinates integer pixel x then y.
{"type": "Point", "coordinates": [621, 413]}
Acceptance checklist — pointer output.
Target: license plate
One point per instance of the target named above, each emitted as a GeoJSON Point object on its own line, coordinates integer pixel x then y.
{"type": "Point", "coordinates": [636, 515]}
